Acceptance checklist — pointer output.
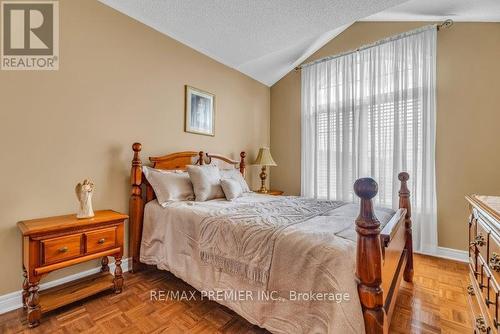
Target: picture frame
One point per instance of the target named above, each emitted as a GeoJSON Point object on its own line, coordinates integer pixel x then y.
{"type": "Point", "coordinates": [199, 112]}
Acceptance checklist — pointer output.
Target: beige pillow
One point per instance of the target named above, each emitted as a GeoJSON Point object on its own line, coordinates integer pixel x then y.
{"type": "Point", "coordinates": [206, 182]}
{"type": "Point", "coordinates": [169, 186]}
{"type": "Point", "coordinates": [235, 174]}
{"type": "Point", "coordinates": [232, 188]}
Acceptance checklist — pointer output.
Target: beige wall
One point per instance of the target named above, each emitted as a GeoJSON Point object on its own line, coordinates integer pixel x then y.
{"type": "Point", "coordinates": [468, 117]}
{"type": "Point", "coordinates": [119, 82]}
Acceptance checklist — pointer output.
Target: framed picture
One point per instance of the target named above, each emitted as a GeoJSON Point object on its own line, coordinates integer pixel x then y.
{"type": "Point", "coordinates": [200, 112]}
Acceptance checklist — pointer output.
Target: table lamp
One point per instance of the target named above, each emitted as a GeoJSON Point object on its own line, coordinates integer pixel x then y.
{"type": "Point", "coordinates": [264, 159]}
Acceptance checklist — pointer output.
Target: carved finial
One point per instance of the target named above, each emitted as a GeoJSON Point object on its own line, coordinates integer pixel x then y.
{"type": "Point", "coordinates": [200, 159]}
{"type": "Point", "coordinates": [403, 176]}
{"type": "Point", "coordinates": [404, 192]}
{"type": "Point", "coordinates": [137, 147]}
{"type": "Point", "coordinates": [136, 161]}
{"type": "Point", "coordinates": [366, 188]}
{"type": "Point", "coordinates": [136, 172]}
{"type": "Point", "coordinates": [243, 155]}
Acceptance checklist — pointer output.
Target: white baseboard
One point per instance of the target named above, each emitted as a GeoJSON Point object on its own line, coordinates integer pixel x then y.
{"type": "Point", "coordinates": [447, 253]}
{"type": "Point", "coordinates": [12, 301]}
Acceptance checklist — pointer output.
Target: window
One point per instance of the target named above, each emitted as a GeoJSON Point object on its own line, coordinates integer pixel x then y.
{"type": "Point", "coordinates": [371, 113]}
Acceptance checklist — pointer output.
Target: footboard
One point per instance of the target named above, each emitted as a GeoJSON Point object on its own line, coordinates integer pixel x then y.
{"type": "Point", "coordinates": [384, 257]}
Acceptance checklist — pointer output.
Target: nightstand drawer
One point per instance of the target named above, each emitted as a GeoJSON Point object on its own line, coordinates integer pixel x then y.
{"type": "Point", "coordinates": [100, 240]}
{"type": "Point", "coordinates": [61, 248]}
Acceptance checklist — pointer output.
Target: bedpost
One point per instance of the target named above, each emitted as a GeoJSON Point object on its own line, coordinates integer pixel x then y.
{"type": "Point", "coordinates": [136, 208]}
{"type": "Point", "coordinates": [242, 162]}
{"type": "Point", "coordinates": [404, 203]}
{"type": "Point", "coordinates": [369, 259]}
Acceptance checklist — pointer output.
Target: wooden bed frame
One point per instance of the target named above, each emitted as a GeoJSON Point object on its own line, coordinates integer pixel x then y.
{"type": "Point", "coordinates": [383, 257]}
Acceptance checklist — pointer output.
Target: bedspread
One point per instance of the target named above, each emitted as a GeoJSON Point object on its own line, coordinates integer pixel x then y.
{"type": "Point", "coordinates": [307, 251]}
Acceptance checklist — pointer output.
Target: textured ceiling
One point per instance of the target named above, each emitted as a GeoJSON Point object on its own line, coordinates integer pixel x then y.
{"type": "Point", "coordinates": [264, 39]}
{"type": "Point", "coordinates": [438, 10]}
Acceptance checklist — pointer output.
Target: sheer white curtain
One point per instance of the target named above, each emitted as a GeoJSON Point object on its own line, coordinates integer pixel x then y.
{"type": "Point", "coordinates": [372, 113]}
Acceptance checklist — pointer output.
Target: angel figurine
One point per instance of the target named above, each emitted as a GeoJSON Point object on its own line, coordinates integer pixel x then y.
{"type": "Point", "coordinates": [84, 192]}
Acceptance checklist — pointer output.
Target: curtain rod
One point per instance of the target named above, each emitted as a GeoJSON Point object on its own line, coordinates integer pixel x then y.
{"type": "Point", "coordinates": [446, 24]}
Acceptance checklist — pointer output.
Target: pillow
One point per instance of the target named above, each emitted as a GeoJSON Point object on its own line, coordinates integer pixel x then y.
{"type": "Point", "coordinates": [206, 182]}
{"type": "Point", "coordinates": [235, 175]}
{"type": "Point", "coordinates": [232, 188]}
{"type": "Point", "coordinates": [169, 186]}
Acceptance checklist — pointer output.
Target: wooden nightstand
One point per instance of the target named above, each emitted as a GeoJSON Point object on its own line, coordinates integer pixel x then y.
{"type": "Point", "coordinates": [58, 242]}
{"type": "Point", "coordinates": [271, 192]}
{"type": "Point", "coordinates": [275, 192]}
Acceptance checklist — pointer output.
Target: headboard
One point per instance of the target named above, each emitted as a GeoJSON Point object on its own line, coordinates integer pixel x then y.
{"type": "Point", "coordinates": [172, 161]}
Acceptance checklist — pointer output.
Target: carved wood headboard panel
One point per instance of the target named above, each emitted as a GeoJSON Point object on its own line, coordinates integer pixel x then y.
{"type": "Point", "coordinates": [138, 198]}
{"type": "Point", "coordinates": [178, 160]}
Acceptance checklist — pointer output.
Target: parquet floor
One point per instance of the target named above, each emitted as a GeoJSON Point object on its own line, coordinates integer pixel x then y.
{"type": "Point", "coordinates": [435, 303]}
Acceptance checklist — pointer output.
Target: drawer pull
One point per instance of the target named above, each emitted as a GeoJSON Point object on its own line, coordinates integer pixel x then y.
{"type": "Point", "coordinates": [470, 290]}
{"type": "Point", "coordinates": [481, 325]}
{"type": "Point", "coordinates": [63, 249]}
{"type": "Point", "coordinates": [495, 262]}
{"type": "Point", "coordinates": [479, 240]}
{"type": "Point", "coordinates": [100, 241]}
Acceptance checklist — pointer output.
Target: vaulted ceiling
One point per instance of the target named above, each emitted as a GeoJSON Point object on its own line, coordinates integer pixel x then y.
{"type": "Point", "coordinates": [265, 39]}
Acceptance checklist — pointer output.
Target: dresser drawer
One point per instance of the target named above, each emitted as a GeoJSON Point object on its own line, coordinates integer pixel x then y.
{"type": "Point", "coordinates": [482, 238]}
{"type": "Point", "coordinates": [480, 320]}
{"type": "Point", "coordinates": [99, 240]}
{"type": "Point", "coordinates": [483, 276]}
{"type": "Point", "coordinates": [61, 248]}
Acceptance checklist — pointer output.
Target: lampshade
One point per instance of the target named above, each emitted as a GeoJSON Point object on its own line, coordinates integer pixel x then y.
{"type": "Point", "coordinates": [264, 158]}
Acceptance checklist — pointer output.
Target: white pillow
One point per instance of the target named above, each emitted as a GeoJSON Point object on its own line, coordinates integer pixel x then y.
{"type": "Point", "coordinates": [169, 186]}
{"type": "Point", "coordinates": [232, 188]}
{"type": "Point", "coordinates": [206, 182]}
{"type": "Point", "coordinates": [235, 175]}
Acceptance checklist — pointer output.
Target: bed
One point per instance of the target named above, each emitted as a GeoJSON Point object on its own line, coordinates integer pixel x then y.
{"type": "Point", "coordinates": [287, 264]}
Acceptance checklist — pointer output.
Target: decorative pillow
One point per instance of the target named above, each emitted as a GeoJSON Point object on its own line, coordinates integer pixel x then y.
{"type": "Point", "coordinates": [235, 175]}
{"type": "Point", "coordinates": [206, 182]}
{"type": "Point", "coordinates": [169, 186]}
{"type": "Point", "coordinates": [232, 188]}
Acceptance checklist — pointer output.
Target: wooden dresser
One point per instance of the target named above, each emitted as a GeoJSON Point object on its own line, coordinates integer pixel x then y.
{"type": "Point", "coordinates": [58, 242]}
{"type": "Point", "coordinates": [484, 262]}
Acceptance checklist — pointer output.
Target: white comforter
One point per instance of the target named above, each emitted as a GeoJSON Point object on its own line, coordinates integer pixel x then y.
{"type": "Point", "coordinates": [310, 286]}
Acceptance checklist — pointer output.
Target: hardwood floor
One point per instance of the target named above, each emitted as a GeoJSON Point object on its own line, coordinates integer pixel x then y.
{"type": "Point", "coordinates": [435, 303]}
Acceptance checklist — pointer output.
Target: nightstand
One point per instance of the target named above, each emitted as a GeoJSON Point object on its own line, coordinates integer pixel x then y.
{"type": "Point", "coordinates": [275, 192]}
{"type": "Point", "coordinates": [58, 242]}
{"type": "Point", "coordinates": [271, 192]}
